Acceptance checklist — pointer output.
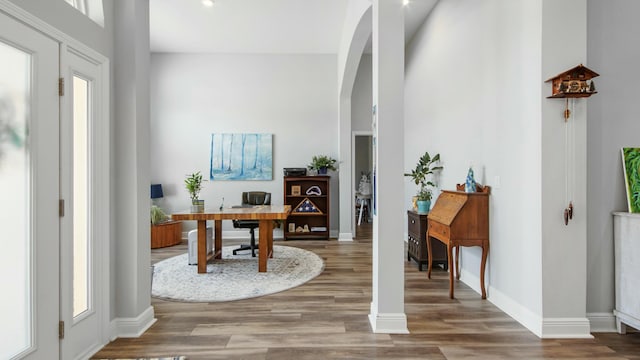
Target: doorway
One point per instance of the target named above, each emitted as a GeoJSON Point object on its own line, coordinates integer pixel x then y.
{"type": "Point", "coordinates": [362, 152]}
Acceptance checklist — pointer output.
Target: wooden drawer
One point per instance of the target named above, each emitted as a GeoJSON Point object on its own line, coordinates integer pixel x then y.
{"type": "Point", "coordinates": [413, 225]}
{"type": "Point", "coordinates": [439, 230]}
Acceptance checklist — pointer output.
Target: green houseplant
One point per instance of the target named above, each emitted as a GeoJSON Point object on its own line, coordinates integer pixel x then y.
{"type": "Point", "coordinates": [425, 167]}
{"type": "Point", "coordinates": [322, 163]}
{"type": "Point", "coordinates": [193, 184]}
{"type": "Point", "coordinates": [158, 216]}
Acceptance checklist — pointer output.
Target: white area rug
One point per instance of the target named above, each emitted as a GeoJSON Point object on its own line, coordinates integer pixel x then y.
{"type": "Point", "coordinates": [234, 277]}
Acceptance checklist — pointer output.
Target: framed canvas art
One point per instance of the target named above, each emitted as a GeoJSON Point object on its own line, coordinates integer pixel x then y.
{"type": "Point", "coordinates": [241, 157]}
{"type": "Point", "coordinates": [631, 167]}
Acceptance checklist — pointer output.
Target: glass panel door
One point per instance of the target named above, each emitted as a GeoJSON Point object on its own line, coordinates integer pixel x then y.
{"type": "Point", "coordinates": [15, 213]}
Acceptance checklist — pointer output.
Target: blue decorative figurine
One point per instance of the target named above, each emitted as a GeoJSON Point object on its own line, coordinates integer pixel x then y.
{"type": "Point", "coordinates": [470, 184]}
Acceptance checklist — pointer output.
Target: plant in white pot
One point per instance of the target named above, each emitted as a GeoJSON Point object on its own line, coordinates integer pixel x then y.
{"type": "Point", "coordinates": [193, 184]}
{"type": "Point", "coordinates": [425, 167]}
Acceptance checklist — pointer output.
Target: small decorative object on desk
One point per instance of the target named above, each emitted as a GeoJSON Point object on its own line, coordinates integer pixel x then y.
{"type": "Point", "coordinates": [470, 183]}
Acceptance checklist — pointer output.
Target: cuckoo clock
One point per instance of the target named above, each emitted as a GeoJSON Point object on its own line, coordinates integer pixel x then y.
{"type": "Point", "coordinates": [573, 83]}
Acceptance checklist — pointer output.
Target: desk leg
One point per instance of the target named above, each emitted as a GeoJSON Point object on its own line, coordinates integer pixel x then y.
{"type": "Point", "coordinates": [429, 259]}
{"type": "Point", "coordinates": [202, 246]}
{"type": "Point", "coordinates": [265, 244]}
{"type": "Point", "coordinates": [458, 262]}
{"type": "Point", "coordinates": [217, 242]}
{"type": "Point", "coordinates": [451, 268]}
{"type": "Point", "coordinates": [485, 252]}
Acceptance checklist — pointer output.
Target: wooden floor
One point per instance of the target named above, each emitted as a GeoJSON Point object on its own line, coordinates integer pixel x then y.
{"type": "Point", "coordinates": [326, 318]}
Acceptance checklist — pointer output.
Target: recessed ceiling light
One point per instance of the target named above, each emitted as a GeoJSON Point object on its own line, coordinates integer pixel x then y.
{"type": "Point", "coordinates": [405, 2]}
{"type": "Point", "coordinates": [207, 3]}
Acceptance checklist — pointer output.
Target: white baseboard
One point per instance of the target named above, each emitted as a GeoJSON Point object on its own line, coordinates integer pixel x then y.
{"type": "Point", "coordinates": [566, 328]}
{"type": "Point", "coordinates": [523, 315]}
{"type": "Point", "coordinates": [132, 327]}
{"type": "Point", "coordinates": [545, 328]}
{"type": "Point", "coordinates": [602, 322]}
{"type": "Point", "coordinates": [345, 236]}
{"type": "Point", "coordinates": [388, 323]}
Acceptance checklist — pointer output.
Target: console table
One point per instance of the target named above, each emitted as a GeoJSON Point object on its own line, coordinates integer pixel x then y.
{"type": "Point", "coordinates": [460, 219]}
{"type": "Point", "coordinates": [626, 238]}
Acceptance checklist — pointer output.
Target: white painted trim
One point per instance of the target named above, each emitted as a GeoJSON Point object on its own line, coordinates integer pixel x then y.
{"type": "Point", "coordinates": [132, 327]}
{"type": "Point", "coordinates": [566, 328]}
{"type": "Point", "coordinates": [523, 315]}
{"type": "Point", "coordinates": [388, 323]}
{"type": "Point", "coordinates": [602, 322]}
{"type": "Point", "coordinates": [345, 236]}
{"type": "Point", "coordinates": [548, 328]}
{"type": "Point", "coordinates": [87, 354]}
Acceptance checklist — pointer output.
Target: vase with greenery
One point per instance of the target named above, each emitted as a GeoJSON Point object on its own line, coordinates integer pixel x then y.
{"type": "Point", "coordinates": [322, 163]}
{"type": "Point", "coordinates": [425, 168]}
{"type": "Point", "coordinates": [193, 184]}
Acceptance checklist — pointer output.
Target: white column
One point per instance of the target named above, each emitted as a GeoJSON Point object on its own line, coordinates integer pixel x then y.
{"type": "Point", "coordinates": [131, 264]}
{"type": "Point", "coordinates": [387, 305]}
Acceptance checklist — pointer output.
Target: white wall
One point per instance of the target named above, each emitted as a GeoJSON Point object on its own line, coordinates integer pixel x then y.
{"type": "Point", "coordinates": [361, 97]}
{"type": "Point", "coordinates": [293, 97]}
{"type": "Point", "coordinates": [468, 97]}
{"type": "Point", "coordinates": [474, 91]}
{"type": "Point", "coordinates": [613, 123]}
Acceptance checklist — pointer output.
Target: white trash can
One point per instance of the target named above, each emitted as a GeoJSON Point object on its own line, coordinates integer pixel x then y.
{"type": "Point", "coordinates": [193, 244]}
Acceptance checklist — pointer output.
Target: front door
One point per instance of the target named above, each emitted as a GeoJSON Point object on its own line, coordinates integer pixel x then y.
{"type": "Point", "coordinates": [29, 189]}
{"type": "Point", "coordinates": [84, 226]}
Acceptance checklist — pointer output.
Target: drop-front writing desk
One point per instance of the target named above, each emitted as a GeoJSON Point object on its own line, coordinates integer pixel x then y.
{"type": "Point", "coordinates": [264, 213]}
{"type": "Point", "coordinates": [460, 219]}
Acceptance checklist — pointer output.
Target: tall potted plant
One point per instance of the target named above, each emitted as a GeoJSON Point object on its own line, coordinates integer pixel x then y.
{"type": "Point", "coordinates": [322, 163]}
{"type": "Point", "coordinates": [193, 184]}
{"type": "Point", "coordinates": [425, 167]}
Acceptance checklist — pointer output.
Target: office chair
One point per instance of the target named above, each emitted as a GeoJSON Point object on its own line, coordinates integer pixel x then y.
{"type": "Point", "coordinates": [251, 198]}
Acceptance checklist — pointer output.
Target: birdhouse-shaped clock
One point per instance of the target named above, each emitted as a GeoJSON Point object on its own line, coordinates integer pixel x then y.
{"type": "Point", "coordinates": [573, 83]}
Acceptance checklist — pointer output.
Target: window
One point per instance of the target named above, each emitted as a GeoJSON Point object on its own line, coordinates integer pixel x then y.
{"type": "Point", "coordinates": [92, 8]}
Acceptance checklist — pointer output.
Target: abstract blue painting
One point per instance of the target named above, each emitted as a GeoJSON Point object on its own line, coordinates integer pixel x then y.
{"type": "Point", "coordinates": [241, 157]}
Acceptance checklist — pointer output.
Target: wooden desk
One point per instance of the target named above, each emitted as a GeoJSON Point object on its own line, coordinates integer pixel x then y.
{"type": "Point", "coordinates": [264, 213]}
{"type": "Point", "coordinates": [460, 219]}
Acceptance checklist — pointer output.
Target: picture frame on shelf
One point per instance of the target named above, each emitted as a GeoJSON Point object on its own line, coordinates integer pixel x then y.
{"type": "Point", "coordinates": [296, 190]}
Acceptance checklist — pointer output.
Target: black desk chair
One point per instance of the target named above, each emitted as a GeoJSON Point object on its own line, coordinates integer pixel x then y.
{"type": "Point", "coordinates": [251, 198]}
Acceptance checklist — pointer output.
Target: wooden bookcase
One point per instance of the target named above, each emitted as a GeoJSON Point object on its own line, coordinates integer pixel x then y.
{"type": "Point", "coordinates": [308, 207]}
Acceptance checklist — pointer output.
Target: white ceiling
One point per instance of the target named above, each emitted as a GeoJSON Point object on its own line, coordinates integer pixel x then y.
{"type": "Point", "coordinates": [258, 26]}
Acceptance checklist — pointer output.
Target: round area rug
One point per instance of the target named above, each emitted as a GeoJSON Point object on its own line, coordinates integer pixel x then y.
{"type": "Point", "coordinates": [234, 277]}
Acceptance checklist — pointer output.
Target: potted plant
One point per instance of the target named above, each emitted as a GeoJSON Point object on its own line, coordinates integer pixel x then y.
{"type": "Point", "coordinates": [424, 168]}
{"type": "Point", "coordinates": [193, 184]}
{"type": "Point", "coordinates": [322, 163]}
{"type": "Point", "coordinates": [158, 216]}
